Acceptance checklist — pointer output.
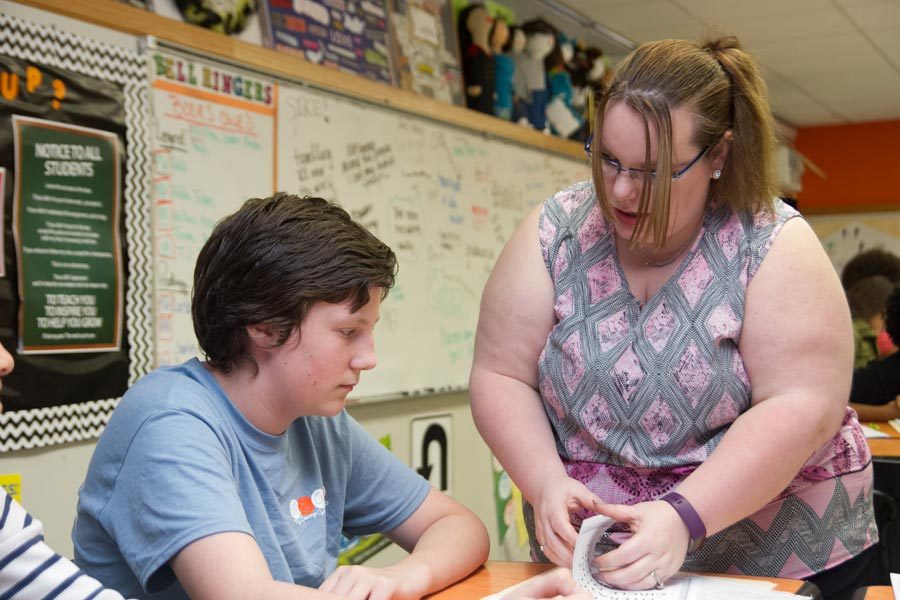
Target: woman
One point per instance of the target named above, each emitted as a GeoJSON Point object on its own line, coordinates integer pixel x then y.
{"type": "Point", "coordinates": [669, 326]}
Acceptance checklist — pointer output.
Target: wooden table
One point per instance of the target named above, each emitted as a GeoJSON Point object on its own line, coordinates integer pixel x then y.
{"type": "Point", "coordinates": [876, 592]}
{"type": "Point", "coordinates": [496, 576]}
{"type": "Point", "coordinates": [884, 448]}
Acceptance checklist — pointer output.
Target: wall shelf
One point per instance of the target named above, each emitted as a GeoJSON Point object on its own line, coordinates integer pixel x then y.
{"type": "Point", "coordinates": [134, 21]}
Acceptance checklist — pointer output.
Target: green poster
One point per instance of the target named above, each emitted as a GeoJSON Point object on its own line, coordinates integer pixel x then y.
{"type": "Point", "coordinates": [66, 211]}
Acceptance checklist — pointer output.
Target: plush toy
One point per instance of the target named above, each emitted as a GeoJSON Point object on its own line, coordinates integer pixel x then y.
{"type": "Point", "coordinates": [566, 48]}
{"type": "Point", "coordinates": [505, 66]}
{"type": "Point", "coordinates": [565, 121]}
{"type": "Point", "coordinates": [474, 24]}
{"type": "Point", "coordinates": [587, 68]}
{"type": "Point", "coordinates": [531, 78]}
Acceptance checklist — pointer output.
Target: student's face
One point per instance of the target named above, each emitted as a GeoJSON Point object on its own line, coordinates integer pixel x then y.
{"type": "Point", "coordinates": [322, 363]}
{"type": "Point", "coordinates": [6, 366]}
{"type": "Point", "coordinates": [622, 138]}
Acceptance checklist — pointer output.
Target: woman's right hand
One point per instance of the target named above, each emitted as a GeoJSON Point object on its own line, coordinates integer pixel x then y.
{"type": "Point", "coordinates": [553, 507]}
{"type": "Point", "coordinates": [556, 585]}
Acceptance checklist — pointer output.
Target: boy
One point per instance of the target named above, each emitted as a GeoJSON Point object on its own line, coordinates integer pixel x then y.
{"type": "Point", "coordinates": [234, 477]}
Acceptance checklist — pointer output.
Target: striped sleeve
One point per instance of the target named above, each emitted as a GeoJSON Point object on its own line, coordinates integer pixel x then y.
{"type": "Point", "coordinates": [30, 569]}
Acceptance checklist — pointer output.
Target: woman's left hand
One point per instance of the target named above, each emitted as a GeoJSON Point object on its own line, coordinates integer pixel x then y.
{"type": "Point", "coordinates": [658, 544]}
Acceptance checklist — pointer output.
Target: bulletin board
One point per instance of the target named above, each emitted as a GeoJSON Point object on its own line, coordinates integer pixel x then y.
{"type": "Point", "coordinates": [74, 260]}
{"type": "Point", "coordinates": [183, 140]}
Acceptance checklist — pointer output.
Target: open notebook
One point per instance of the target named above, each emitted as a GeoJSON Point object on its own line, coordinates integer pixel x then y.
{"type": "Point", "coordinates": [683, 586]}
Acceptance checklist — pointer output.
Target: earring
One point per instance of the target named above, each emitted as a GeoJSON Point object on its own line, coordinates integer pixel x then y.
{"type": "Point", "coordinates": [717, 173]}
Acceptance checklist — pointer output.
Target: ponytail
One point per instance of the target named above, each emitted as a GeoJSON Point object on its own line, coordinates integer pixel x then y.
{"type": "Point", "coordinates": [749, 170]}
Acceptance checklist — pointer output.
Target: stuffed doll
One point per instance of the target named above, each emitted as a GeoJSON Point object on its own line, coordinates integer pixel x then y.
{"type": "Point", "coordinates": [474, 24]}
{"type": "Point", "coordinates": [530, 77]}
{"type": "Point", "coordinates": [505, 66]}
{"type": "Point", "coordinates": [567, 49]}
{"type": "Point", "coordinates": [565, 121]}
{"type": "Point", "coordinates": [587, 68]}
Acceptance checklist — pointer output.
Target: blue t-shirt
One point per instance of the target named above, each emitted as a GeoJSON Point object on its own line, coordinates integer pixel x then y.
{"type": "Point", "coordinates": [178, 462]}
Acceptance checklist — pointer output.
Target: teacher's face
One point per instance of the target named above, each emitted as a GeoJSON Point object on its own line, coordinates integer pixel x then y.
{"type": "Point", "coordinates": [623, 139]}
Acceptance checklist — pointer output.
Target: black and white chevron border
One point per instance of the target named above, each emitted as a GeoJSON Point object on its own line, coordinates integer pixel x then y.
{"type": "Point", "coordinates": [137, 229]}
{"type": "Point", "coordinates": [42, 427]}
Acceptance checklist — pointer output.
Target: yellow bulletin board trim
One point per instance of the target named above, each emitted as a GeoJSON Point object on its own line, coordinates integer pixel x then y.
{"type": "Point", "coordinates": [12, 483]}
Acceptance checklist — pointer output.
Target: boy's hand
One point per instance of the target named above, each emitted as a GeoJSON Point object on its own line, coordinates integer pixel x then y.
{"type": "Point", "coordinates": [364, 583]}
{"type": "Point", "coordinates": [557, 585]}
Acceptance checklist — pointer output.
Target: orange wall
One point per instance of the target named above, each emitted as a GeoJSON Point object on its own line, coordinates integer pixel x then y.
{"type": "Point", "coordinates": [862, 164]}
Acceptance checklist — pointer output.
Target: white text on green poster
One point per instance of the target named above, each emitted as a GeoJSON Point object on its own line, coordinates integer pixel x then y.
{"type": "Point", "coordinates": [66, 224]}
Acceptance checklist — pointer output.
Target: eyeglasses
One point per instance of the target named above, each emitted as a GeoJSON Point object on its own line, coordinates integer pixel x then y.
{"type": "Point", "coordinates": [611, 167]}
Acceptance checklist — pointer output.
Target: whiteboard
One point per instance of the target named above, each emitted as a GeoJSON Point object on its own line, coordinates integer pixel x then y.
{"type": "Point", "coordinates": [213, 148]}
{"type": "Point", "coordinates": [443, 198]}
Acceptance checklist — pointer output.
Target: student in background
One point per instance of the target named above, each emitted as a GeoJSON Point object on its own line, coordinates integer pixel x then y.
{"type": "Point", "coordinates": [875, 393]}
{"type": "Point", "coordinates": [235, 477]}
{"type": "Point", "coordinates": [29, 568]}
{"type": "Point", "coordinates": [867, 299]}
{"type": "Point", "coordinates": [669, 345]}
{"type": "Point", "coordinates": [867, 263]}
{"type": "Point", "coordinates": [875, 261]}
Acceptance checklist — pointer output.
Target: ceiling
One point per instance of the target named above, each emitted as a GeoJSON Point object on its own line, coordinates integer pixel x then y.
{"type": "Point", "coordinates": [825, 61]}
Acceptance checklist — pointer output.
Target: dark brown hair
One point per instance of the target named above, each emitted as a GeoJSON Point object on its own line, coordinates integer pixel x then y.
{"type": "Point", "coordinates": [723, 87]}
{"type": "Point", "coordinates": [270, 261]}
{"type": "Point", "coordinates": [874, 261]}
{"type": "Point", "coordinates": [868, 296]}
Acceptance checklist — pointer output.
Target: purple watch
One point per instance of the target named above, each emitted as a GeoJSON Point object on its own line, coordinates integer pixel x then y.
{"type": "Point", "coordinates": [696, 528]}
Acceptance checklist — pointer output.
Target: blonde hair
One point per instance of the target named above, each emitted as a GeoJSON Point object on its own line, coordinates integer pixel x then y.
{"type": "Point", "coordinates": [722, 85]}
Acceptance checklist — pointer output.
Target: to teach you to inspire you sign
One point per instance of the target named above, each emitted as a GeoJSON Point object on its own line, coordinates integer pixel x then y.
{"type": "Point", "coordinates": [67, 237]}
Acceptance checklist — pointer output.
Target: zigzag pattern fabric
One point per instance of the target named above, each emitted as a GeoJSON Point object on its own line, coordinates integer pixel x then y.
{"type": "Point", "coordinates": [57, 48]}
{"type": "Point", "coordinates": [639, 396]}
{"type": "Point", "coordinates": [138, 305]}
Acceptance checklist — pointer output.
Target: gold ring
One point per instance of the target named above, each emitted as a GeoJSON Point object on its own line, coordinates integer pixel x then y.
{"type": "Point", "coordinates": [659, 582]}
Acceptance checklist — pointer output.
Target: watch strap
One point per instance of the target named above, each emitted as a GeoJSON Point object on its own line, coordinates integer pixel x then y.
{"type": "Point", "coordinates": [695, 526]}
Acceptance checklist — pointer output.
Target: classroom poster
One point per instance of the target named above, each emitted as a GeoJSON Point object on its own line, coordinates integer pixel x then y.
{"type": "Point", "coordinates": [213, 145]}
{"type": "Point", "coordinates": [73, 306]}
{"type": "Point", "coordinates": [511, 531]}
{"type": "Point", "coordinates": [66, 208]}
{"type": "Point", "coordinates": [239, 19]}
{"type": "Point", "coordinates": [350, 36]}
{"type": "Point", "coordinates": [426, 54]}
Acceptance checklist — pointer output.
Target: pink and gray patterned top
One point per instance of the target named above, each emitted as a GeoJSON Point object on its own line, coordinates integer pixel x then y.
{"type": "Point", "coordinates": [639, 396]}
